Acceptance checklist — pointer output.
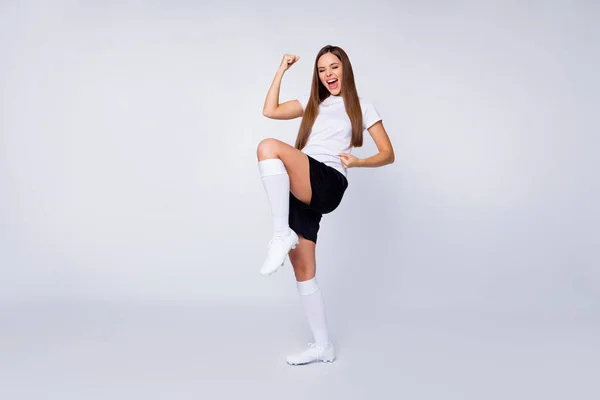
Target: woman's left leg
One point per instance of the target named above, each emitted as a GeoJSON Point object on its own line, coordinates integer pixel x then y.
{"type": "Point", "coordinates": [304, 263]}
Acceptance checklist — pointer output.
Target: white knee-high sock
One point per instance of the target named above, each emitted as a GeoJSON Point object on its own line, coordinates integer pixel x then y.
{"type": "Point", "coordinates": [276, 182]}
{"type": "Point", "coordinates": [315, 310]}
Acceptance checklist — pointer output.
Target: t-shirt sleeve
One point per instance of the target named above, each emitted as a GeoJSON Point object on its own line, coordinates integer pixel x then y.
{"type": "Point", "coordinates": [370, 115]}
{"type": "Point", "coordinates": [304, 100]}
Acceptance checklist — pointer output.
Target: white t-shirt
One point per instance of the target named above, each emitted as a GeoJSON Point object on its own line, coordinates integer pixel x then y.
{"type": "Point", "coordinates": [332, 131]}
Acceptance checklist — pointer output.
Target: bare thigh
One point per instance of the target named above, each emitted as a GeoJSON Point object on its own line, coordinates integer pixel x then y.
{"type": "Point", "coordinates": [303, 259]}
{"type": "Point", "coordinates": [296, 163]}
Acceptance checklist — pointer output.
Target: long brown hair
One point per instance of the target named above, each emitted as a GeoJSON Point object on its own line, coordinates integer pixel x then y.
{"type": "Point", "coordinates": [319, 92]}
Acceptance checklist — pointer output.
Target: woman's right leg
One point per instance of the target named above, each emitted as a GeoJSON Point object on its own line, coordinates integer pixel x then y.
{"type": "Point", "coordinates": [283, 169]}
{"type": "Point", "coordinates": [304, 262]}
{"type": "Point", "coordinates": [294, 161]}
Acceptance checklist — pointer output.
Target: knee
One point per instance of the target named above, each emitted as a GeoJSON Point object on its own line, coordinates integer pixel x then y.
{"type": "Point", "coordinates": [303, 271]}
{"type": "Point", "coordinates": [267, 148]}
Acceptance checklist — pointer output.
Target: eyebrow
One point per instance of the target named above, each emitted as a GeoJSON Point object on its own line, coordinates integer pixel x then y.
{"type": "Point", "coordinates": [334, 63]}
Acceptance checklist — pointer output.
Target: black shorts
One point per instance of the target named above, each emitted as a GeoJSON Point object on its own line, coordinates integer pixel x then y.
{"type": "Point", "coordinates": [328, 187]}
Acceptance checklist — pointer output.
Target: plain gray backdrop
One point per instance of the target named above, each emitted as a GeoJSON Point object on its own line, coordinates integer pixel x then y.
{"type": "Point", "coordinates": [128, 172]}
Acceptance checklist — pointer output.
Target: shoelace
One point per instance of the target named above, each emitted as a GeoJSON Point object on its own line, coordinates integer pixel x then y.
{"type": "Point", "coordinates": [320, 350]}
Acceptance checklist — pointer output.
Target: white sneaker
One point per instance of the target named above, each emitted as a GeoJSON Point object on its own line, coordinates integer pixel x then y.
{"type": "Point", "coordinates": [313, 353]}
{"type": "Point", "coordinates": [279, 247]}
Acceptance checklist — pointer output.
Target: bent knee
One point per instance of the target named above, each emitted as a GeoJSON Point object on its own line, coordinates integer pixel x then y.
{"type": "Point", "coordinates": [267, 148]}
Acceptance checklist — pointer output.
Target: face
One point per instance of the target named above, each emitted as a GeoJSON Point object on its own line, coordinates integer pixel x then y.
{"type": "Point", "coordinates": [330, 73]}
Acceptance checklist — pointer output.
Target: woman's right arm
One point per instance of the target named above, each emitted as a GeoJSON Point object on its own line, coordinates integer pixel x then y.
{"type": "Point", "coordinates": [288, 110]}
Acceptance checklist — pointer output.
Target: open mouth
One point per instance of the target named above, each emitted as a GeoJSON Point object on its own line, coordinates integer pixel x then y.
{"type": "Point", "coordinates": [332, 83]}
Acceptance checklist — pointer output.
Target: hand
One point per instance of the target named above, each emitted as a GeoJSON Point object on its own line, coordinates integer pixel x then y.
{"type": "Point", "coordinates": [348, 160]}
{"type": "Point", "coordinates": [288, 61]}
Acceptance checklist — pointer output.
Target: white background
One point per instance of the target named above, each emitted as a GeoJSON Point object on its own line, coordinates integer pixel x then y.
{"type": "Point", "coordinates": [128, 134]}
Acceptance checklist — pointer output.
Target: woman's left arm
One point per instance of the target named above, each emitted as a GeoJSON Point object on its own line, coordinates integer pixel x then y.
{"type": "Point", "coordinates": [384, 145]}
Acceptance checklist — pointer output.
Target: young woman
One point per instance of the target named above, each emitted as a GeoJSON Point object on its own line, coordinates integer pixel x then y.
{"type": "Point", "coordinates": [306, 181]}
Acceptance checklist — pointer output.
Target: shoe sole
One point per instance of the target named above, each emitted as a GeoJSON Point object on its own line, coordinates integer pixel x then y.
{"type": "Point", "coordinates": [311, 362]}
